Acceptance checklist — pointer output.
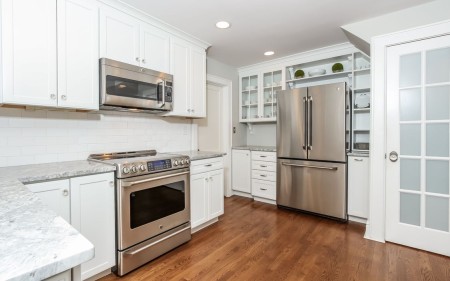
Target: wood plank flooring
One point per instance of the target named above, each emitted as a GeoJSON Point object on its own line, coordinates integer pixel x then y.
{"type": "Point", "coordinates": [257, 241]}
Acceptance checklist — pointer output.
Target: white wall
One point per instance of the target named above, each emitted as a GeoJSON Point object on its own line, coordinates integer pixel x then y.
{"type": "Point", "coordinates": [262, 134]}
{"type": "Point", "coordinates": [42, 136]}
{"type": "Point", "coordinates": [222, 70]}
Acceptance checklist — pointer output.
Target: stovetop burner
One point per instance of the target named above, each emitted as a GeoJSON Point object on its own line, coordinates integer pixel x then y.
{"type": "Point", "coordinates": [138, 163]}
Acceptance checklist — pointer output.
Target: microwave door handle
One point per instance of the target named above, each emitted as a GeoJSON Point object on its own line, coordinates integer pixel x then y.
{"type": "Point", "coordinates": [163, 93]}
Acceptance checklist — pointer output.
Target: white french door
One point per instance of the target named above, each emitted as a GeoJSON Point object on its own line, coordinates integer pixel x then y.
{"type": "Point", "coordinates": [417, 167]}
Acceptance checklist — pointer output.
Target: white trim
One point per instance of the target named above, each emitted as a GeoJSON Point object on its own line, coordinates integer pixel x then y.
{"type": "Point", "coordinates": [227, 127]}
{"type": "Point", "coordinates": [377, 218]}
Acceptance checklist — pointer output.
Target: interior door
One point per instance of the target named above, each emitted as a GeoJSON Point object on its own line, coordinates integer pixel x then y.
{"type": "Point", "coordinates": [326, 128]}
{"type": "Point", "coordinates": [291, 124]}
{"type": "Point", "coordinates": [417, 168]}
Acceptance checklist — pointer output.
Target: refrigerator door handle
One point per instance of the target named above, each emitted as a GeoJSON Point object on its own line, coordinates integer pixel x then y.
{"type": "Point", "coordinates": [305, 140]}
{"type": "Point", "coordinates": [310, 101]}
{"type": "Point", "coordinates": [310, 166]}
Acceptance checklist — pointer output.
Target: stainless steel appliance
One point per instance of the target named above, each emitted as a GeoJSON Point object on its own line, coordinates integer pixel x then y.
{"type": "Point", "coordinates": [153, 205]}
{"type": "Point", "coordinates": [126, 87]}
{"type": "Point", "coordinates": [311, 149]}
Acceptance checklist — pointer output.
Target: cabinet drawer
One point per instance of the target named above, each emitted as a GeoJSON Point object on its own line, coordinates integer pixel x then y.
{"type": "Point", "coordinates": [264, 175]}
{"type": "Point", "coordinates": [264, 166]}
{"type": "Point", "coordinates": [264, 156]}
{"type": "Point", "coordinates": [206, 165]}
{"type": "Point", "coordinates": [264, 189]}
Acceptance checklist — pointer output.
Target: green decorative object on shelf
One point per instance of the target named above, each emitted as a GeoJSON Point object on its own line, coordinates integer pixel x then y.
{"type": "Point", "coordinates": [299, 74]}
{"type": "Point", "coordinates": [337, 67]}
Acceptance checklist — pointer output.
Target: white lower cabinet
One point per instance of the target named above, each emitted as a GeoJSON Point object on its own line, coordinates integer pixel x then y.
{"type": "Point", "coordinates": [241, 171]}
{"type": "Point", "coordinates": [358, 187]}
{"type": "Point", "coordinates": [88, 204]}
{"type": "Point", "coordinates": [264, 176]}
{"type": "Point", "coordinates": [207, 191]}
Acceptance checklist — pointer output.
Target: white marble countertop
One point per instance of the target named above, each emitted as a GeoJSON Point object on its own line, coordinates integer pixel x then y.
{"type": "Point", "coordinates": [199, 155]}
{"type": "Point", "coordinates": [35, 243]}
{"type": "Point", "coordinates": [256, 148]}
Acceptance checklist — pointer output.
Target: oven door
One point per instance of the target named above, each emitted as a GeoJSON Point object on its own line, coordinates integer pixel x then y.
{"type": "Point", "coordinates": [150, 205]}
{"type": "Point", "coordinates": [134, 89]}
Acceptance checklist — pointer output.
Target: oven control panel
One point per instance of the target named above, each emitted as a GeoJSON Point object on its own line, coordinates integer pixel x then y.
{"type": "Point", "coordinates": [142, 168]}
{"type": "Point", "coordinates": [159, 165]}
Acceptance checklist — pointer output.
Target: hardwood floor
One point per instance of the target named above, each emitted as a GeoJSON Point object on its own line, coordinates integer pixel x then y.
{"type": "Point", "coordinates": [257, 241]}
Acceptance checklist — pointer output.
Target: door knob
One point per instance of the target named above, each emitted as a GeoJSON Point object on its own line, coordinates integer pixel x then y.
{"type": "Point", "coordinates": [393, 156]}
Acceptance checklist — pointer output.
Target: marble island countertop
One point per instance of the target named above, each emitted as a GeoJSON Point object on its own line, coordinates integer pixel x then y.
{"type": "Point", "coordinates": [256, 148]}
{"type": "Point", "coordinates": [35, 243]}
{"type": "Point", "coordinates": [199, 155]}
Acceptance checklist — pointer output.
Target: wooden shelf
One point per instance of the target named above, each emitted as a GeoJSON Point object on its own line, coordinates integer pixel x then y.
{"type": "Point", "coordinates": [320, 77]}
{"type": "Point", "coordinates": [361, 70]}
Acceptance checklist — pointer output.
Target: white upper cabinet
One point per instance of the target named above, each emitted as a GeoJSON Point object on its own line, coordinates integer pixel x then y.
{"type": "Point", "coordinates": [188, 66]}
{"type": "Point", "coordinates": [119, 36]}
{"type": "Point", "coordinates": [155, 48]}
{"type": "Point", "coordinates": [50, 53]}
{"type": "Point", "coordinates": [78, 65]}
{"type": "Point", "coordinates": [29, 52]}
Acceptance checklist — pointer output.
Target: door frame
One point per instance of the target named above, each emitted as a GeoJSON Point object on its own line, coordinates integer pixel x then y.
{"type": "Point", "coordinates": [227, 126]}
{"type": "Point", "coordinates": [376, 224]}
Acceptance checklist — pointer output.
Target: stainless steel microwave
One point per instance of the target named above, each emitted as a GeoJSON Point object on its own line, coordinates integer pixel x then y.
{"type": "Point", "coordinates": [126, 87]}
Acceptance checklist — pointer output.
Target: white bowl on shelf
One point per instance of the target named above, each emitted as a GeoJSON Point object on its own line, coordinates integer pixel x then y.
{"type": "Point", "coordinates": [316, 72]}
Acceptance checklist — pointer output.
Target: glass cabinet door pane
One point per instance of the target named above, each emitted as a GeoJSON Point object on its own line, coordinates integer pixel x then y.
{"type": "Point", "coordinates": [410, 208]}
{"type": "Point", "coordinates": [437, 140]}
{"type": "Point", "coordinates": [436, 213]}
{"type": "Point", "coordinates": [410, 139]}
{"type": "Point", "coordinates": [438, 66]}
{"type": "Point", "coordinates": [410, 104]}
{"type": "Point", "coordinates": [437, 177]}
{"type": "Point", "coordinates": [438, 102]}
{"type": "Point", "coordinates": [410, 69]}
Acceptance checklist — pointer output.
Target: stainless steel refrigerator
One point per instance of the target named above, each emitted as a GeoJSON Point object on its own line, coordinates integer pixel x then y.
{"type": "Point", "coordinates": [311, 149]}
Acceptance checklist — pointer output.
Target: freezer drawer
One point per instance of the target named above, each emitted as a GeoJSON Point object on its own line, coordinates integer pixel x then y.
{"type": "Point", "coordinates": [318, 187]}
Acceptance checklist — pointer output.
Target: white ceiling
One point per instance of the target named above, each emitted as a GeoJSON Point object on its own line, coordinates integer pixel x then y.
{"type": "Point", "coordinates": [284, 26]}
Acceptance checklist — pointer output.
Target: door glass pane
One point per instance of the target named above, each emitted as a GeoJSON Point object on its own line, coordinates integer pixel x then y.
{"type": "Point", "coordinates": [410, 139]}
{"type": "Point", "coordinates": [410, 208]}
{"type": "Point", "coordinates": [438, 102]}
{"type": "Point", "coordinates": [410, 105]}
{"type": "Point", "coordinates": [437, 140]}
{"type": "Point", "coordinates": [410, 66]}
{"type": "Point", "coordinates": [436, 213]}
{"type": "Point", "coordinates": [410, 174]}
{"type": "Point", "coordinates": [438, 66]}
{"type": "Point", "coordinates": [437, 176]}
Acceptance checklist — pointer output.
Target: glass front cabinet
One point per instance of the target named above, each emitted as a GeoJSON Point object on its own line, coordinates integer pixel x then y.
{"type": "Point", "coordinates": [258, 96]}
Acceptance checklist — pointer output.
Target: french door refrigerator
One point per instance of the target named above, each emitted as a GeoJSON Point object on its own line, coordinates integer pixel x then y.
{"type": "Point", "coordinates": [311, 149]}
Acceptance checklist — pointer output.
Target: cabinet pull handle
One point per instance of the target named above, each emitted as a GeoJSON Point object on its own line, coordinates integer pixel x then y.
{"type": "Point", "coordinates": [263, 166]}
{"type": "Point", "coordinates": [263, 188]}
{"type": "Point", "coordinates": [358, 160]}
{"type": "Point", "coordinates": [65, 192]}
{"type": "Point", "coordinates": [208, 165]}
{"type": "Point", "coordinates": [264, 176]}
{"type": "Point", "coordinates": [262, 156]}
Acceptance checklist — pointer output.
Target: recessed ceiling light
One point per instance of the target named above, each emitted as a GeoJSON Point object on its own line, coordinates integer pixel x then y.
{"type": "Point", "coordinates": [222, 24]}
{"type": "Point", "coordinates": [269, 53]}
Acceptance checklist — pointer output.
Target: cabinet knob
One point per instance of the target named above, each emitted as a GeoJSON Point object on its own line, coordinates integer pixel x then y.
{"type": "Point", "coordinates": [65, 192]}
{"type": "Point", "coordinates": [210, 178]}
{"type": "Point", "coordinates": [207, 179]}
{"type": "Point", "coordinates": [53, 96]}
{"type": "Point", "coordinates": [144, 61]}
{"type": "Point", "coordinates": [111, 183]}
{"type": "Point", "coordinates": [63, 97]}
{"type": "Point", "coordinates": [192, 110]}
{"type": "Point", "coordinates": [358, 160]}
{"type": "Point", "coordinates": [137, 59]}
{"type": "Point", "coordinates": [188, 110]}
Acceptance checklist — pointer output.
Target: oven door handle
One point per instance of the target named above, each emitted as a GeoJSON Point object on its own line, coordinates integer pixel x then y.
{"type": "Point", "coordinates": [131, 183]}
{"type": "Point", "coordinates": [156, 242]}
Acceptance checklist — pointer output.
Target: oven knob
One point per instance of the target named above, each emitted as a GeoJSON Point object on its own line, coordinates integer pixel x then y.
{"type": "Point", "coordinates": [126, 170]}
{"type": "Point", "coordinates": [182, 161]}
{"type": "Point", "coordinates": [134, 169]}
{"type": "Point", "coordinates": [142, 168]}
{"type": "Point", "coordinates": [175, 163]}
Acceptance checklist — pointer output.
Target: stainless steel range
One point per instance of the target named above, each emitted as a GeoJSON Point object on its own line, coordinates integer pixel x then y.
{"type": "Point", "coordinates": [153, 209]}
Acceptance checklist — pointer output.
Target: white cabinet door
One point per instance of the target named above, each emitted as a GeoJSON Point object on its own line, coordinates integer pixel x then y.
{"type": "Point", "coordinates": [198, 82]}
{"type": "Point", "coordinates": [29, 52]}
{"type": "Point", "coordinates": [155, 48]}
{"type": "Point", "coordinates": [358, 186]}
{"type": "Point", "coordinates": [180, 68]}
{"type": "Point", "coordinates": [92, 214]}
{"type": "Point", "coordinates": [63, 276]}
{"type": "Point", "coordinates": [119, 36]}
{"type": "Point", "coordinates": [78, 56]}
{"type": "Point", "coordinates": [240, 171]}
{"type": "Point", "coordinates": [199, 197]}
{"type": "Point", "coordinates": [54, 194]}
{"type": "Point", "coordinates": [215, 188]}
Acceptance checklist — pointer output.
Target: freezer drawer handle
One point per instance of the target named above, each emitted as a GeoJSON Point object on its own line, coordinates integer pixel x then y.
{"type": "Point", "coordinates": [310, 166]}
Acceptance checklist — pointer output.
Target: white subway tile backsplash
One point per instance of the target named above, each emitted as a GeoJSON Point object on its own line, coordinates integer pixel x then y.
{"type": "Point", "coordinates": [42, 136]}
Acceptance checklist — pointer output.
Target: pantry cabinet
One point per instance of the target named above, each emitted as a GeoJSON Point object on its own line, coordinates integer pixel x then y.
{"type": "Point", "coordinates": [188, 66]}
{"type": "Point", "coordinates": [207, 191]}
{"type": "Point", "coordinates": [358, 187]}
{"type": "Point", "coordinates": [50, 53]}
{"type": "Point", "coordinates": [88, 204]}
